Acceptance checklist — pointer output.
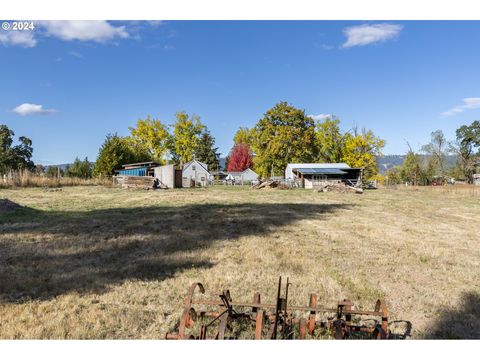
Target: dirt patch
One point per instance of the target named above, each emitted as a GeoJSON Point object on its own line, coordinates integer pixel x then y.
{"type": "Point", "coordinates": [8, 206]}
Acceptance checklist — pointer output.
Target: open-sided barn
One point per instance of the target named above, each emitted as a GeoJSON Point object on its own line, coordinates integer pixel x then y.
{"type": "Point", "coordinates": [310, 175]}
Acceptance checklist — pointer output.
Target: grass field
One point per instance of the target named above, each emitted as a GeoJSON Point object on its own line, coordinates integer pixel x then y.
{"type": "Point", "coordinates": [99, 262]}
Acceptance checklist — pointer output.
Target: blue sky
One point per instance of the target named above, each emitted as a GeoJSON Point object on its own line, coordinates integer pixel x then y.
{"type": "Point", "coordinates": [67, 84]}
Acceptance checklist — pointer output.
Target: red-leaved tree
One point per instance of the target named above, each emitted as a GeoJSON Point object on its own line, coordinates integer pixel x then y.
{"type": "Point", "coordinates": [240, 158]}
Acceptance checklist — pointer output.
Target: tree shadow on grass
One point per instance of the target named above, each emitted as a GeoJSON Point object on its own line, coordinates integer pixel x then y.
{"type": "Point", "coordinates": [44, 254]}
{"type": "Point", "coordinates": [462, 322]}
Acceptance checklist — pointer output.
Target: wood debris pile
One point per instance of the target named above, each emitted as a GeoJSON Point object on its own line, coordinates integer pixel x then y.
{"type": "Point", "coordinates": [270, 184]}
{"type": "Point", "coordinates": [135, 182]}
{"type": "Point", "coordinates": [339, 188]}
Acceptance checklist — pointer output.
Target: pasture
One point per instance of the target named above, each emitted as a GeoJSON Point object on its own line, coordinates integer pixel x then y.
{"type": "Point", "coordinates": [104, 263]}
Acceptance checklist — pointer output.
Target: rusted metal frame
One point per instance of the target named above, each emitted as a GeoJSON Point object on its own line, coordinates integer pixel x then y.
{"type": "Point", "coordinates": [291, 307]}
{"type": "Point", "coordinates": [302, 329]}
{"type": "Point", "coordinates": [222, 328]}
{"type": "Point", "coordinates": [347, 306]}
{"type": "Point", "coordinates": [282, 317]}
{"type": "Point", "coordinates": [259, 316]}
{"type": "Point", "coordinates": [189, 314]}
{"type": "Point", "coordinates": [313, 314]}
{"type": "Point", "coordinates": [287, 326]}
{"type": "Point", "coordinates": [259, 324]}
{"type": "Point", "coordinates": [383, 332]}
{"type": "Point", "coordinates": [273, 334]}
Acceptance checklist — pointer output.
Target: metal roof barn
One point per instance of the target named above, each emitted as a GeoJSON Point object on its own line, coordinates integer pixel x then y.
{"type": "Point", "coordinates": [322, 171]}
{"type": "Point", "coordinates": [290, 167]}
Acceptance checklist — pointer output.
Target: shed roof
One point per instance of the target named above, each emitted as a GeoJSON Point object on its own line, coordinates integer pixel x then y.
{"type": "Point", "coordinates": [322, 171]}
{"type": "Point", "coordinates": [319, 165]}
{"type": "Point", "coordinates": [146, 163]}
{"type": "Point", "coordinates": [203, 165]}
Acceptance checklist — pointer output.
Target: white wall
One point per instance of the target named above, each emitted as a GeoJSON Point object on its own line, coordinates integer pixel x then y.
{"type": "Point", "coordinates": [199, 175]}
{"type": "Point", "coordinates": [166, 175]}
{"type": "Point", "coordinates": [249, 175]}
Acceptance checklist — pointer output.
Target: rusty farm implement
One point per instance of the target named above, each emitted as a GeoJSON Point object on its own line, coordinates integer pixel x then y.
{"type": "Point", "coordinates": [223, 318]}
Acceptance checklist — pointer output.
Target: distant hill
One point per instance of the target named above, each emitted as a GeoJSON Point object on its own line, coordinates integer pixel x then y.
{"type": "Point", "coordinates": [61, 166]}
{"type": "Point", "coordinates": [387, 162]}
{"type": "Point", "coordinates": [223, 163]}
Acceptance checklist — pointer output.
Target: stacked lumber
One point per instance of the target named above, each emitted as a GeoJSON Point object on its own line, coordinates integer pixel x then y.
{"type": "Point", "coordinates": [339, 188]}
{"type": "Point", "coordinates": [135, 182]}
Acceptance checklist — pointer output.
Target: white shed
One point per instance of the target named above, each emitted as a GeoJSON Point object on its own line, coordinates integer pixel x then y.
{"type": "Point", "coordinates": [240, 177]}
{"type": "Point", "coordinates": [289, 175]}
{"type": "Point", "coordinates": [168, 176]}
{"type": "Point", "coordinates": [248, 175]}
{"type": "Point", "coordinates": [195, 173]}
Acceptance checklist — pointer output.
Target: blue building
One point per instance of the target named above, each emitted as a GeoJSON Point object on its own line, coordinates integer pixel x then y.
{"type": "Point", "coordinates": [138, 169]}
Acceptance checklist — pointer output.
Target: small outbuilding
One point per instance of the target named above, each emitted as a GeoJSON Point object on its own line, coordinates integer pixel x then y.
{"type": "Point", "coordinates": [246, 176]}
{"type": "Point", "coordinates": [311, 175]}
{"type": "Point", "coordinates": [195, 173]}
{"type": "Point", "coordinates": [168, 176]}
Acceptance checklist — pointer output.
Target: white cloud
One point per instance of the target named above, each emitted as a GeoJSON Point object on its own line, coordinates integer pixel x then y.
{"type": "Point", "coordinates": [99, 31]}
{"type": "Point", "coordinates": [32, 109]}
{"type": "Point", "coordinates": [319, 117]}
{"type": "Point", "coordinates": [76, 54]}
{"type": "Point", "coordinates": [468, 103]}
{"type": "Point", "coordinates": [18, 38]}
{"type": "Point", "coordinates": [155, 23]}
{"type": "Point", "coordinates": [362, 35]}
{"type": "Point", "coordinates": [84, 30]}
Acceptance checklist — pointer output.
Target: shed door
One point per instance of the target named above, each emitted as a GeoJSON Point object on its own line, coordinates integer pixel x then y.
{"type": "Point", "coordinates": [178, 178]}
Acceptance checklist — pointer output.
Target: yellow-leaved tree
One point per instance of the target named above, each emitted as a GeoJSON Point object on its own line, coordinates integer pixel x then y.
{"type": "Point", "coordinates": [361, 150]}
{"type": "Point", "coordinates": [186, 137]}
{"type": "Point", "coordinates": [152, 135]}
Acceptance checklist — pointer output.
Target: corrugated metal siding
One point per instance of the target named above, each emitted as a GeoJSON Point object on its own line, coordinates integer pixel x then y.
{"type": "Point", "coordinates": [141, 171]}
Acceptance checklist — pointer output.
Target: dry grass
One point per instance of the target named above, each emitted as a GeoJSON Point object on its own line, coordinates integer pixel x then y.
{"type": "Point", "coordinates": [28, 179]}
{"type": "Point", "coordinates": [97, 262]}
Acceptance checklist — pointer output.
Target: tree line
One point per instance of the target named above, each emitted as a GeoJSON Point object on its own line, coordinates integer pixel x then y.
{"type": "Point", "coordinates": [283, 135]}
{"type": "Point", "coordinates": [152, 140]}
{"type": "Point", "coordinates": [286, 135]}
{"type": "Point", "coordinates": [430, 163]}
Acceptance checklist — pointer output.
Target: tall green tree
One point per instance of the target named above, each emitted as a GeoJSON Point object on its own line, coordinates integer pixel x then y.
{"type": "Point", "coordinates": [437, 150]}
{"type": "Point", "coordinates": [153, 135]}
{"type": "Point", "coordinates": [330, 141]}
{"type": "Point", "coordinates": [361, 151]}
{"type": "Point", "coordinates": [468, 148]}
{"type": "Point", "coordinates": [116, 151]}
{"type": "Point", "coordinates": [207, 152]}
{"type": "Point", "coordinates": [186, 136]}
{"type": "Point", "coordinates": [411, 170]}
{"type": "Point", "coordinates": [80, 169]}
{"type": "Point", "coordinates": [284, 135]}
{"type": "Point", "coordinates": [14, 157]}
